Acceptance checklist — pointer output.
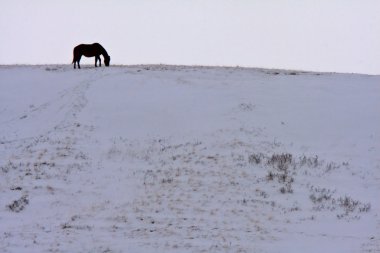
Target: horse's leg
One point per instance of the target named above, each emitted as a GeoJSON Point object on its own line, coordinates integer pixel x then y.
{"type": "Point", "coordinates": [79, 61]}
{"type": "Point", "coordinates": [75, 64]}
{"type": "Point", "coordinates": [97, 58]}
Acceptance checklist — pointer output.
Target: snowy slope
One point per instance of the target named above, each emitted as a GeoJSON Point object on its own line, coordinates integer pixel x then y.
{"type": "Point", "coordinates": [188, 159]}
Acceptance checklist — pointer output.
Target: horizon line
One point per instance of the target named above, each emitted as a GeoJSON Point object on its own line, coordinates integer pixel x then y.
{"type": "Point", "coordinates": [289, 71]}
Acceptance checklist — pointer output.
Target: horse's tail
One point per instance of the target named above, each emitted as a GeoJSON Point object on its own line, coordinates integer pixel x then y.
{"type": "Point", "coordinates": [74, 55]}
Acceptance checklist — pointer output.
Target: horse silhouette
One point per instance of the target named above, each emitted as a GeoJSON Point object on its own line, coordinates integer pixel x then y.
{"type": "Point", "coordinates": [91, 50]}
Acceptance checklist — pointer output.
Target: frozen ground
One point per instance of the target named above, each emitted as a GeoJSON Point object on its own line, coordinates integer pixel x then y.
{"type": "Point", "coordinates": [188, 159]}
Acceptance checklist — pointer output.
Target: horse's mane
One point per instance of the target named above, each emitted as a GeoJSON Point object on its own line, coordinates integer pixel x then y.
{"type": "Point", "coordinates": [103, 51]}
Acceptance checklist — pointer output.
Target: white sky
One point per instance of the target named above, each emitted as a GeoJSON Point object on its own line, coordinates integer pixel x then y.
{"type": "Point", "coordinates": [321, 35]}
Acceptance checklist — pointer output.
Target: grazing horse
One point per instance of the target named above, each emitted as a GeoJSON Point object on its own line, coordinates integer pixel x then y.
{"type": "Point", "coordinates": [90, 51]}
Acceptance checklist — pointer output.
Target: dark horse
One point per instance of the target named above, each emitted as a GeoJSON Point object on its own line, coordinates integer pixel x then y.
{"type": "Point", "coordinates": [90, 51]}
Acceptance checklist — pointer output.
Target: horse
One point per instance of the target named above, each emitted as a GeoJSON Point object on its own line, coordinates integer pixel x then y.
{"type": "Point", "coordinates": [91, 50]}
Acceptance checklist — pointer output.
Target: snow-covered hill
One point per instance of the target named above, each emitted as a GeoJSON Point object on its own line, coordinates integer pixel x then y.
{"type": "Point", "coordinates": [188, 159]}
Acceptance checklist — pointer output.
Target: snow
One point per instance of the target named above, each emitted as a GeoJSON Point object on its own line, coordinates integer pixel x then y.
{"type": "Point", "coordinates": [157, 158]}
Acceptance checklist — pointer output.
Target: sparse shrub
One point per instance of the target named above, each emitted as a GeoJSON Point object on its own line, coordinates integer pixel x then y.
{"type": "Point", "coordinates": [331, 166]}
{"type": "Point", "coordinates": [323, 200]}
{"type": "Point", "coordinates": [281, 161]}
{"type": "Point", "coordinates": [51, 69]}
{"type": "Point", "coordinates": [16, 188]}
{"type": "Point", "coordinates": [167, 180]}
{"type": "Point", "coordinates": [66, 226]}
{"type": "Point", "coordinates": [348, 204]}
{"type": "Point", "coordinates": [303, 160]}
{"type": "Point", "coordinates": [320, 195]}
{"type": "Point", "coordinates": [309, 161]}
{"type": "Point", "coordinates": [282, 178]}
{"type": "Point", "coordinates": [9, 166]}
{"type": "Point", "coordinates": [295, 208]}
{"type": "Point", "coordinates": [365, 208]}
{"type": "Point", "coordinates": [19, 205]}
{"type": "Point", "coordinates": [286, 189]}
{"type": "Point", "coordinates": [262, 193]}
{"type": "Point", "coordinates": [270, 176]}
{"type": "Point", "coordinates": [282, 164]}
{"type": "Point", "coordinates": [246, 107]}
{"type": "Point", "coordinates": [255, 158]}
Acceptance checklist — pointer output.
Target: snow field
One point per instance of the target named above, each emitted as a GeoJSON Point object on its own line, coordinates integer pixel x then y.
{"type": "Point", "coordinates": [188, 159]}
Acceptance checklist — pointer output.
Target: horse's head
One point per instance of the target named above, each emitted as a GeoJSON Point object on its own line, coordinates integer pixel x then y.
{"type": "Point", "coordinates": [107, 60]}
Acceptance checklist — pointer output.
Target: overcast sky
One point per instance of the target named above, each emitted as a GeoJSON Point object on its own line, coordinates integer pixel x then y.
{"type": "Point", "coordinates": [321, 35]}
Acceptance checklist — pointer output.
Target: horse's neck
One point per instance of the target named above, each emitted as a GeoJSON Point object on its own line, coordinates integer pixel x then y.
{"type": "Point", "coordinates": [104, 52]}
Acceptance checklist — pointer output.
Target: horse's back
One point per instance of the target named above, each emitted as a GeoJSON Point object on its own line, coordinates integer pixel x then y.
{"type": "Point", "coordinates": [80, 48]}
{"type": "Point", "coordinates": [88, 50]}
